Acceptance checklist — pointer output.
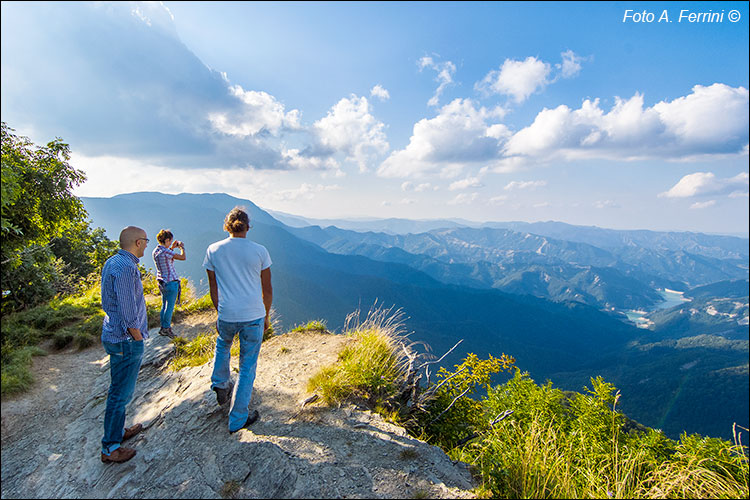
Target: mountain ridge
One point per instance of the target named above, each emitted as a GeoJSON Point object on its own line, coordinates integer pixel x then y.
{"type": "Point", "coordinates": [566, 341]}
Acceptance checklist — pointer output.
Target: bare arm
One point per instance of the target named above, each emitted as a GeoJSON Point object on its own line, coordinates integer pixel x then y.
{"type": "Point", "coordinates": [265, 281]}
{"type": "Point", "coordinates": [213, 289]}
{"type": "Point", "coordinates": [181, 246]}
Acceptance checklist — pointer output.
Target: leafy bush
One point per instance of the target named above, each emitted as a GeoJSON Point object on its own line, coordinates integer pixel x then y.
{"type": "Point", "coordinates": [311, 326]}
{"type": "Point", "coordinates": [556, 445]}
{"type": "Point", "coordinates": [452, 414]}
{"type": "Point", "coordinates": [48, 246]}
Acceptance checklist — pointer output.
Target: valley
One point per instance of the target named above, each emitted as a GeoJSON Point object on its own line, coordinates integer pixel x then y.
{"type": "Point", "coordinates": [554, 301]}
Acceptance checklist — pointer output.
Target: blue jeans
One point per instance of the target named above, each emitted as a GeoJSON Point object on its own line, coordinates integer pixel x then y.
{"type": "Point", "coordinates": [168, 298]}
{"type": "Point", "coordinates": [124, 363]}
{"type": "Point", "coordinates": [251, 335]}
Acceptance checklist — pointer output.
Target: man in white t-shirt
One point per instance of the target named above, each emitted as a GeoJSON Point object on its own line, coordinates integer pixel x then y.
{"type": "Point", "coordinates": [239, 280]}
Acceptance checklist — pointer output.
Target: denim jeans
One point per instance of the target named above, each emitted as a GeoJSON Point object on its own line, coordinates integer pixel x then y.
{"type": "Point", "coordinates": [251, 336]}
{"type": "Point", "coordinates": [124, 363]}
{"type": "Point", "coordinates": [168, 298]}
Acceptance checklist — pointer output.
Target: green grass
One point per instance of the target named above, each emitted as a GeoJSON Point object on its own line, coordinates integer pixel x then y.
{"type": "Point", "coordinates": [73, 319]}
{"type": "Point", "coordinates": [198, 351]}
{"type": "Point", "coordinates": [16, 373]}
{"type": "Point", "coordinates": [368, 369]}
{"type": "Point", "coordinates": [559, 446]}
{"type": "Point", "coordinates": [310, 326]}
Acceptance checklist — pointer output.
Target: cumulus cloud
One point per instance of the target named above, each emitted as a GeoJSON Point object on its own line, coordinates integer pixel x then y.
{"type": "Point", "coordinates": [305, 191]}
{"type": "Point", "coordinates": [445, 71]}
{"type": "Point", "coordinates": [351, 129]}
{"type": "Point", "coordinates": [418, 188]}
{"type": "Point", "coordinates": [702, 204]}
{"type": "Point", "coordinates": [301, 162]}
{"type": "Point", "coordinates": [469, 182]}
{"type": "Point", "coordinates": [524, 185]}
{"type": "Point", "coordinates": [126, 86]}
{"type": "Point", "coordinates": [571, 64]}
{"type": "Point", "coordinates": [707, 184]}
{"type": "Point", "coordinates": [379, 92]}
{"type": "Point", "coordinates": [518, 79]}
{"type": "Point", "coordinates": [463, 199]}
{"type": "Point", "coordinates": [711, 120]}
{"type": "Point", "coordinates": [259, 112]}
{"type": "Point", "coordinates": [460, 133]}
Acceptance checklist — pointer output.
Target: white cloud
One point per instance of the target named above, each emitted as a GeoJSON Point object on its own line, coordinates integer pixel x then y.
{"type": "Point", "coordinates": [463, 199]}
{"type": "Point", "coordinates": [710, 121]}
{"type": "Point", "coordinates": [426, 186]}
{"type": "Point", "coordinates": [518, 79]}
{"type": "Point", "coordinates": [469, 182]}
{"type": "Point", "coordinates": [305, 191]}
{"type": "Point", "coordinates": [702, 204]}
{"type": "Point", "coordinates": [543, 204]}
{"type": "Point", "coordinates": [351, 129]}
{"type": "Point", "coordinates": [706, 184]}
{"type": "Point", "coordinates": [605, 204]}
{"type": "Point", "coordinates": [419, 188]}
{"type": "Point", "coordinates": [524, 185]}
{"type": "Point", "coordinates": [497, 200]}
{"type": "Point", "coordinates": [301, 162]}
{"type": "Point", "coordinates": [379, 92]}
{"type": "Point", "coordinates": [109, 176]}
{"type": "Point", "coordinates": [445, 71]}
{"type": "Point", "coordinates": [571, 64]}
{"type": "Point", "coordinates": [456, 136]}
{"type": "Point", "coordinates": [258, 112]}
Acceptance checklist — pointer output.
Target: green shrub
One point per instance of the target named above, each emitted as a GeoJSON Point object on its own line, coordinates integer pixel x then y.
{"type": "Point", "coordinates": [314, 326]}
{"type": "Point", "coordinates": [558, 445]}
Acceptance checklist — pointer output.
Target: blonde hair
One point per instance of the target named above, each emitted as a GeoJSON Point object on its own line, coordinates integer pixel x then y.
{"type": "Point", "coordinates": [164, 235]}
{"type": "Point", "coordinates": [237, 221]}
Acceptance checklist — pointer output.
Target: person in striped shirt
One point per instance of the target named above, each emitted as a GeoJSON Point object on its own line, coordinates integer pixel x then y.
{"type": "Point", "coordinates": [124, 328]}
{"type": "Point", "coordinates": [169, 283]}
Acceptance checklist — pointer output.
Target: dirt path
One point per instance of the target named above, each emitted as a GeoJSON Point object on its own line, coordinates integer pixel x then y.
{"type": "Point", "coordinates": [50, 435]}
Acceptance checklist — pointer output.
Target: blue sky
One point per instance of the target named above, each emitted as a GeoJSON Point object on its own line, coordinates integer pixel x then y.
{"type": "Point", "coordinates": [484, 111]}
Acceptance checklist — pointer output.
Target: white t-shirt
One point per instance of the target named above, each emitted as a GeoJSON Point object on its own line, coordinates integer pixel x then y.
{"type": "Point", "coordinates": [237, 263]}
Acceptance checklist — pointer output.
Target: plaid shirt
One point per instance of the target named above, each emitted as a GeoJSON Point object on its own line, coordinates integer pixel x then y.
{"type": "Point", "coordinates": [122, 298]}
{"type": "Point", "coordinates": [164, 260]}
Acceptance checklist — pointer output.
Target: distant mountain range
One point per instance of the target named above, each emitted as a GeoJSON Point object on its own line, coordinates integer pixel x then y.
{"type": "Point", "coordinates": [623, 273]}
{"type": "Point", "coordinates": [490, 286]}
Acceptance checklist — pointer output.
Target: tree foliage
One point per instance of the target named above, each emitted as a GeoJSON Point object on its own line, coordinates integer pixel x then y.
{"type": "Point", "coordinates": [48, 245]}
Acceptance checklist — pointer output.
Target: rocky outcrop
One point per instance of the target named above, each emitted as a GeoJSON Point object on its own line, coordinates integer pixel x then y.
{"type": "Point", "coordinates": [186, 450]}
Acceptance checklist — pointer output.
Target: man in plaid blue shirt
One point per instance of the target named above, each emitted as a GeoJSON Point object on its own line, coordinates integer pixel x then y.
{"type": "Point", "coordinates": [124, 329]}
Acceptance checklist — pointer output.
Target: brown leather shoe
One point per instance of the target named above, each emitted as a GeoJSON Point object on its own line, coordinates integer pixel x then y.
{"type": "Point", "coordinates": [132, 431]}
{"type": "Point", "coordinates": [119, 456]}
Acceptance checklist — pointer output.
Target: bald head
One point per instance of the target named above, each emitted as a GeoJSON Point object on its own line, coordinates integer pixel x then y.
{"type": "Point", "coordinates": [133, 239]}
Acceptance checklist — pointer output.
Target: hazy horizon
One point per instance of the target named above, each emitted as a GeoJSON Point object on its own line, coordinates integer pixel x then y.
{"type": "Point", "coordinates": [459, 220]}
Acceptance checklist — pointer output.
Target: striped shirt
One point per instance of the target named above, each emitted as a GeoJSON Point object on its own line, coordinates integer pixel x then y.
{"type": "Point", "coordinates": [164, 260]}
{"type": "Point", "coordinates": [122, 298]}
